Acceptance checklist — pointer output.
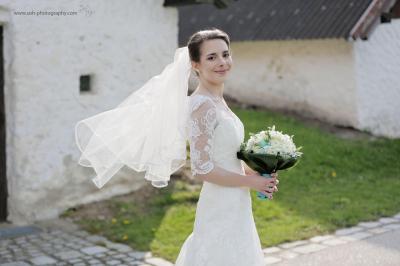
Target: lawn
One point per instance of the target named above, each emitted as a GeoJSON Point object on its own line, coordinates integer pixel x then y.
{"type": "Point", "coordinates": [338, 183]}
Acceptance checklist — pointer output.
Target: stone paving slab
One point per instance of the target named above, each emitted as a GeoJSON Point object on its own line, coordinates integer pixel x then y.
{"type": "Point", "coordinates": [61, 242]}
{"type": "Point", "coordinates": [293, 244]}
{"type": "Point", "coordinates": [288, 254]}
{"type": "Point", "coordinates": [272, 250]}
{"type": "Point", "coordinates": [317, 239]}
{"type": "Point", "coordinates": [8, 232]}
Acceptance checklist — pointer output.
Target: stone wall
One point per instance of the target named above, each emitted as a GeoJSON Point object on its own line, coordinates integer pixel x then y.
{"type": "Point", "coordinates": [120, 43]}
{"type": "Point", "coordinates": [313, 77]}
{"type": "Point", "coordinates": [378, 80]}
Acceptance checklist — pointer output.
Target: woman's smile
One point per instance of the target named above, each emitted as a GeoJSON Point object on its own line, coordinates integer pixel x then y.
{"type": "Point", "coordinates": [222, 72]}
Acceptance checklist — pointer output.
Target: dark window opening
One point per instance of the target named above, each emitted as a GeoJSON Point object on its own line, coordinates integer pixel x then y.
{"type": "Point", "coordinates": [84, 83]}
{"type": "Point", "coordinates": [386, 17]}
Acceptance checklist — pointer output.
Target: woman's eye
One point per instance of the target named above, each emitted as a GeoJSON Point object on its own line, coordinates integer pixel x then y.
{"type": "Point", "coordinates": [212, 57]}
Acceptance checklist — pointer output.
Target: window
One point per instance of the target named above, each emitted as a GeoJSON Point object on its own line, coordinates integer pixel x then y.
{"type": "Point", "coordinates": [84, 83]}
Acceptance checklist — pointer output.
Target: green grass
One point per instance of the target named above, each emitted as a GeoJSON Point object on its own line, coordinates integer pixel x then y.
{"type": "Point", "coordinates": [337, 183]}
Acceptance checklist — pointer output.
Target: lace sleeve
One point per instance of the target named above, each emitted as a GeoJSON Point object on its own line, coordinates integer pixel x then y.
{"type": "Point", "coordinates": [203, 119]}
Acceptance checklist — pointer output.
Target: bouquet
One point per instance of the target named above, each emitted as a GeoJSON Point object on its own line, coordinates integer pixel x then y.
{"type": "Point", "coordinates": [269, 151]}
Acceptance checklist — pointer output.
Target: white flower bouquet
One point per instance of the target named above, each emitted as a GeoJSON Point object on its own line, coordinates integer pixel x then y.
{"type": "Point", "coordinates": [269, 151]}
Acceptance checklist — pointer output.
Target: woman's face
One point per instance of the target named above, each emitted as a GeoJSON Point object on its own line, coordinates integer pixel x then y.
{"type": "Point", "coordinates": [215, 61]}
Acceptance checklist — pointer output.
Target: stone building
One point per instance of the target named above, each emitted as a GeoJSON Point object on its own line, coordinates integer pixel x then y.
{"type": "Point", "coordinates": [64, 61]}
{"type": "Point", "coordinates": [67, 60]}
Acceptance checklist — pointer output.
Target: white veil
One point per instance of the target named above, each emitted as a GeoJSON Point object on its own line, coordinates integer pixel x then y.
{"type": "Point", "coordinates": [145, 132]}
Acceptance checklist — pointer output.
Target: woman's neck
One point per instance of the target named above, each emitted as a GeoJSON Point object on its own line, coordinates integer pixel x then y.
{"type": "Point", "coordinates": [215, 90]}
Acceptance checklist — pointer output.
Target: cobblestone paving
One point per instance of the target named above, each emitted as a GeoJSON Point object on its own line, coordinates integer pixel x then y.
{"type": "Point", "coordinates": [50, 245]}
{"type": "Point", "coordinates": [56, 246]}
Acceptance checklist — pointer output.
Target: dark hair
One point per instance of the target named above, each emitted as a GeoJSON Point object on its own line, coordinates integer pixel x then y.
{"type": "Point", "coordinates": [196, 40]}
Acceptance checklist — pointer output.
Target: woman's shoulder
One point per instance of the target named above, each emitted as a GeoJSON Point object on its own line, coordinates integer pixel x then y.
{"type": "Point", "coordinates": [199, 96]}
{"type": "Point", "coordinates": [197, 99]}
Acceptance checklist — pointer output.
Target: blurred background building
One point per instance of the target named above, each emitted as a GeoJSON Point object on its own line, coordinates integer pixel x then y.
{"type": "Point", "coordinates": [67, 60]}
{"type": "Point", "coordinates": [334, 60]}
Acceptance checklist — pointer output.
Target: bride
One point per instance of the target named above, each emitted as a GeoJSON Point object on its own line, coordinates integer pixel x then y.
{"type": "Point", "coordinates": [224, 231]}
{"type": "Point", "coordinates": [148, 132]}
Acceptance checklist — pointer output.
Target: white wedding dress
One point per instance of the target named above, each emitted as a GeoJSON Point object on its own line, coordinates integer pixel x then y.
{"type": "Point", "coordinates": [224, 232]}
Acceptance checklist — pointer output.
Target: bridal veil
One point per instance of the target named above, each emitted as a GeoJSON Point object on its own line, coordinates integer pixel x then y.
{"type": "Point", "coordinates": [145, 132]}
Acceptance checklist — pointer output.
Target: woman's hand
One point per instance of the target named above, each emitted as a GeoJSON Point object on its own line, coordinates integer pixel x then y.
{"type": "Point", "coordinates": [265, 185]}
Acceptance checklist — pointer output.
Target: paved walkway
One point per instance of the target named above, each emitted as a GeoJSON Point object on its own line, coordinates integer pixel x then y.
{"type": "Point", "coordinates": [371, 243]}
{"type": "Point", "coordinates": [60, 242]}
{"type": "Point", "coordinates": [382, 249]}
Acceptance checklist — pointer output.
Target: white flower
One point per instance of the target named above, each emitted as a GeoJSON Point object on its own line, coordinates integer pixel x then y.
{"type": "Point", "coordinates": [277, 143]}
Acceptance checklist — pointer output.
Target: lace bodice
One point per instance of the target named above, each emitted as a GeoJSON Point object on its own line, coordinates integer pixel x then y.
{"type": "Point", "coordinates": [206, 115]}
{"type": "Point", "coordinates": [224, 231]}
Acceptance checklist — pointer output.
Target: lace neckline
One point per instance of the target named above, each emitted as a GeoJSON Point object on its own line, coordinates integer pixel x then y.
{"type": "Point", "coordinates": [216, 100]}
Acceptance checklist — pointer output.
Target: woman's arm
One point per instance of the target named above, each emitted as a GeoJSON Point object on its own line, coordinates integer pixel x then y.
{"type": "Point", "coordinates": [223, 177]}
{"type": "Point", "coordinates": [203, 120]}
